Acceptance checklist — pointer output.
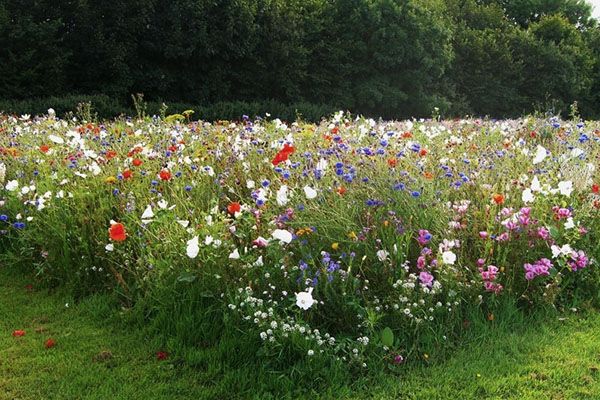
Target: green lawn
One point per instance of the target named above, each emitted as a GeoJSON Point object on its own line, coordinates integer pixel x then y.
{"type": "Point", "coordinates": [98, 357]}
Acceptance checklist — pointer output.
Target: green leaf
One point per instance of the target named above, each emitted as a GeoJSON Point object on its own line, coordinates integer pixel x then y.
{"type": "Point", "coordinates": [186, 277]}
{"type": "Point", "coordinates": [387, 337]}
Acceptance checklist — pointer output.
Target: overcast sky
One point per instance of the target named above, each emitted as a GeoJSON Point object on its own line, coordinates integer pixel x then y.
{"type": "Point", "coordinates": [596, 5]}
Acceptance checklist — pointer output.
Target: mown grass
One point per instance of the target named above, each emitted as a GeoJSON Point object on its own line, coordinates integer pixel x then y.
{"type": "Point", "coordinates": [99, 356]}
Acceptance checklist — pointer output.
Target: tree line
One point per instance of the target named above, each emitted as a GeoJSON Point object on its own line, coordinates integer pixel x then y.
{"type": "Point", "coordinates": [388, 58]}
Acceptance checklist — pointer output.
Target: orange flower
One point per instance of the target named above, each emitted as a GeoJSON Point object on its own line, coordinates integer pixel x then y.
{"type": "Point", "coordinates": [498, 199]}
{"type": "Point", "coordinates": [234, 207]}
{"type": "Point", "coordinates": [127, 174]}
{"type": "Point", "coordinates": [428, 175]}
{"type": "Point", "coordinates": [117, 232]}
{"type": "Point", "coordinates": [392, 162]}
{"type": "Point", "coordinates": [111, 154]}
{"type": "Point", "coordinates": [137, 162]}
{"type": "Point", "coordinates": [44, 148]}
{"type": "Point", "coordinates": [423, 152]}
{"type": "Point", "coordinates": [341, 190]}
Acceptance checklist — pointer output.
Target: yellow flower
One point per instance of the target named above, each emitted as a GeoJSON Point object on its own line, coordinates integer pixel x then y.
{"type": "Point", "coordinates": [335, 246]}
{"type": "Point", "coordinates": [352, 235]}
{"type": "Point", "coordinates": [110, 179]}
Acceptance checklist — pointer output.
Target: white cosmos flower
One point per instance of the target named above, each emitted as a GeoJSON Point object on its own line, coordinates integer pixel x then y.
{"type": "Point", "coordinates": [565, 188]}
{"type": "Point", "coordinates": [282, 197]}
{"type": "Point", "coordinates": [557, 251]}
{"type": "Point", "coordinates": [570, 224]}
{"type": "Point", "coordinates": [535, 184]}
{"type": "Point", "coordinates": [192, 247]}
{"type": "Point", "coordinates": [234, 255]}
{"type": "Point", "coordinates": [304, 300]}
{"type": "Point", "coordinates": [183, 222]}
{"type": "Point", "coordinates": [11, 186]}
{"type": "Point", "coordinates": [540, 155]}
{"type": "Point", "coordinates": [448, 257]}
{"type": "Point", "coordinates": [56, 139]}
{"type": "Point", "coordinates": [148, 213]}
{"type": "Point", "coordinates": [382, 255]}
{"type": "Point", "coordinates": [109, 247]}
{"type": "Point", "coordinates": [527, 196]}
{"type": "Point", "coordinates": [310, 192]}
{"type": "Point", "coordinates": [282, 235]}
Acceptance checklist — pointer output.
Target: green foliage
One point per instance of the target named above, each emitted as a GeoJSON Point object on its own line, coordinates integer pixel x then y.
{"type": "Point", "coordinates": [381, 58]}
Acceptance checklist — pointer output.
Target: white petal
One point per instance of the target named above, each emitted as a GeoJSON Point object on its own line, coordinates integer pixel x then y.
{"type": "Point", "coordinates": [192, 247]}
{"type": "Point", "coordinates": [148, 213]}
{"type": "Point", "coordinates": [283, 235]}
{"type": "Point", "coordinates": [310, 192]}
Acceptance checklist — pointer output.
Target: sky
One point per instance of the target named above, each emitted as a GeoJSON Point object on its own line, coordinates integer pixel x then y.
{"type": "Point", "coordinates": [596, 5]}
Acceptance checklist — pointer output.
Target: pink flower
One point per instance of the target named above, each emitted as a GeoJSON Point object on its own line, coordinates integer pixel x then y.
{"type": "Point", "coordinates": [426, 278]}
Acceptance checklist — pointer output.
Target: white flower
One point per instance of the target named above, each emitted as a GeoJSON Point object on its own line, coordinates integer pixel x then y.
{"type": "Point", "coordinates": [109, 247]}
{"type": "Point", "coordinates": [234, 255]}
{"type": "Point", "coordinates": [570, 224]}
{"type": "Point", "coordinates": [56, 139]}
{"type": "Point", "coordinates": [382, 255]}
{"type": "Point", "coordinates": [540, 155]}
{"type": "Point", "coordinates": [535, 184]}
{"type": "Point", "coordinates": [557, 251]}
{"type": "Point", "coordinates": [283, 235]}
{"type": "Point", "coordinates": [250, 184]}
{"type": "Point", "coordinates": [304, 300]}
{"type": "Point", "coordinates": [527, 196]}
{"type": "Point", "coordinates": [448, 257]}
{"type": "Point", "coordinates": [148, 213]}
{"type": "Point", "coordinates": [51, 113]}
{"type": "Point", "coordinates": [282, 197]}
{"type": "Point", "coordinates": [565, 188]}
{"type": "Point", "coordinates": [183, 222]}
{"type": "Point", "coordinates": [11, 186]}
{"type": "Point", "coordinates": [2, 172]}
{"type": "Point", "coordinates": [310, 192]}
{"type": "Point", "coordinates": [192, 247]}
{"type": "Point", "coordinates": [208, 240]}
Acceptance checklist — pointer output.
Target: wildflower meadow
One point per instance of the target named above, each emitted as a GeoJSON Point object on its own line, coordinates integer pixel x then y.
{"type": "Point", "coordinates": [353, 242]}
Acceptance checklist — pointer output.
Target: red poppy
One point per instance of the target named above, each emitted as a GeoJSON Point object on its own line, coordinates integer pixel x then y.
{"type": "Point", "coordinates": [392, 162]}
{"type": "Point", "coordinates": [341, 190]}
{"type": "Point", "coordinates": [173, 148]}
{"type": "Point", "coordinates": [283, 154]}
{"type": "Point", "coordinates": [162, 355]}
{"type": "Point", "coordinates": [407, 135]}
{"type": "Point", "coordinates": [137, 162]}
{"type": "Point", "coordinates": [117, 232]}
{"type": "Point", "coordinates": [498, 198]}
{"type": "Point", "coordinates": [165, 175]}
{"type": "Point", "coordinates": [44, 148]}
{"type": "Point", "coordinates": [49, 343]}
{"type": "Point", "coordinates": [18, 333]}
{"type": "Point", "coordinates": [423, 152]}
{"type": "Point", "coordinates": [234, 207]}
{"type": "Point", "coordinates": [110, 154]}
{"type": "Point", "coordinates": [335, 130]}
{"type": "Point", "coordinates": [595, 188]}
{"type": "Point", "coordinates": [127, 174]}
